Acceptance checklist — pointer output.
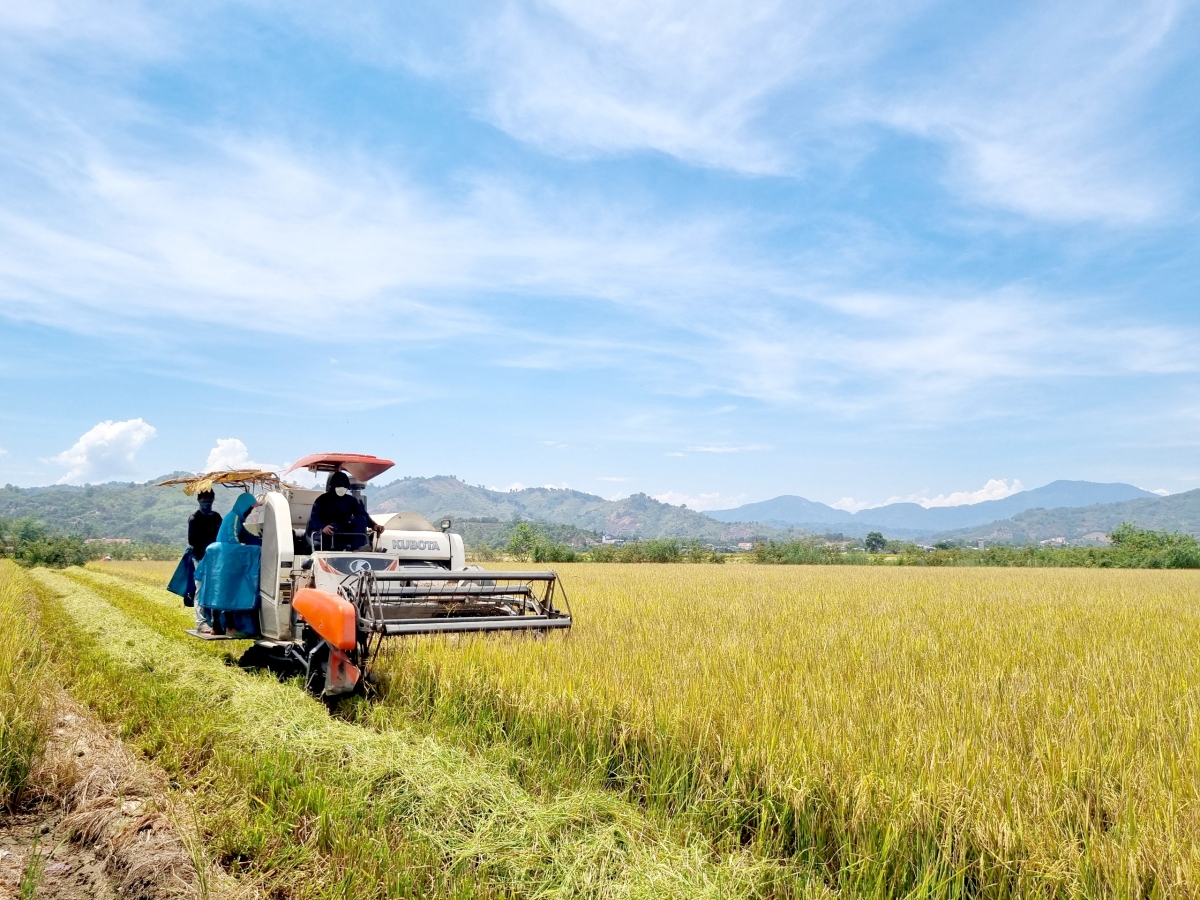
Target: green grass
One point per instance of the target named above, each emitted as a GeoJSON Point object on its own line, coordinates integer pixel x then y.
{"type": "Point", "coordinates": [308, 805]}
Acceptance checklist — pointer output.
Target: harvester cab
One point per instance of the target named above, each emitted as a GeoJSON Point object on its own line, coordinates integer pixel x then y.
{"type": "Point", "coordinates": [327, 612]}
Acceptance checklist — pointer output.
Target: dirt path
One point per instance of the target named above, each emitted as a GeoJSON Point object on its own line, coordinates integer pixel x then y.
{"type": "Point", "coordinates": [99, 824]}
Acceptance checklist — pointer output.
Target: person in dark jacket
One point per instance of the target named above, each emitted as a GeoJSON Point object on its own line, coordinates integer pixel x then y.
{"type": "Point", "coordinates": [339, 521]}
{"type": "Point", "coordinates": [203, 525]}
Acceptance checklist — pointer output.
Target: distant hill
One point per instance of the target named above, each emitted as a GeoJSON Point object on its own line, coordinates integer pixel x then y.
{"type": "Point", "coordinates": [138, 511]}
{"type": "Point", "coordinates": [1177, 512]}
{"type": "Point", "coordinates": [786, 510]}
{"type": "Point", "coordinates": [148, 513]}
{"type": "Point", "coordinates": [911, 519]}
{"type": "Point", "coordinates": [636, 516]}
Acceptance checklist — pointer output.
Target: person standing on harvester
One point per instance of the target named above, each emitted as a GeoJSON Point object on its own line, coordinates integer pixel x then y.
{"type": "Point", "coordinates": [339, 521]}
{"type": "Point", "coordinates": [203, 526]}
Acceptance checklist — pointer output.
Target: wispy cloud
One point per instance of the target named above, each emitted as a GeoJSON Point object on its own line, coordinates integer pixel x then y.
{"type": "Point", "coordinates": [1036, 106]}
{"type": "Point", "coordinates": [696, 204]}
{"type": "Point", "coordinates": [257, 237]}
{"type": "Point", "coordinates": [1037, 116]}
{"type": "Point", "coordinates": [691, 80]}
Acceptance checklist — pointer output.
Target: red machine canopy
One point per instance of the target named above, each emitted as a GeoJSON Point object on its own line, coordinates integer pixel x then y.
{"type": "Point", "coordinates": [359, 466]}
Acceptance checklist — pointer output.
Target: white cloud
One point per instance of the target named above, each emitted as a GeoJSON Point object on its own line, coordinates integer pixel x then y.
{"type": "Point", "coordinates": [994, 489]}
{"type": "Point", "coordinates": [1037, 108]}
{"type": "Point", "coordinates": [700, 502]}
{"type": "Point", "coordinates": [262, 239]}
{"type": "Point", "coordinates": [123, 235]}
{"type": "Point", "coordinates": [106, 451]}
{"type": "Point", "coordinates": [515, 486]}
{"type": "Point", "coordinates": [1162, 492]}
{"type": "Point", "coordinates": [231, 453]}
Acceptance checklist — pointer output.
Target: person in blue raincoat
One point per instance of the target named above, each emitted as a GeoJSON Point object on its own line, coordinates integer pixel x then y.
{"type": "Point", "coordinates": [227, 577]}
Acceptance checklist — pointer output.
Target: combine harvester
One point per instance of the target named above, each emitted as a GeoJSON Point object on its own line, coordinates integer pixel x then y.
{"type": "Point", "coordinates": [326, 613]}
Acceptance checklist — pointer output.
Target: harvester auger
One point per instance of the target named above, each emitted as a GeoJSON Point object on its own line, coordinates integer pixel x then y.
{"type": "Point", "coordinates": [326, 613]}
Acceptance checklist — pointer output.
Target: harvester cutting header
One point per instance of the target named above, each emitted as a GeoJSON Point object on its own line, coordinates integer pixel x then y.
{"type": "Point", "coordinates": [324, 598]}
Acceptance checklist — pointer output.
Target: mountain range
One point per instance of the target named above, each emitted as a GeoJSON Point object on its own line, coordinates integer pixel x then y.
{"type": "Point", "coordinates": [636, 516]}
{"type": "Point", "coordinates": [1069, 509]}
{"type": "Point", "coordinates": [1175, 512]}
{"type": "Point", "coordinates": [911, 519]}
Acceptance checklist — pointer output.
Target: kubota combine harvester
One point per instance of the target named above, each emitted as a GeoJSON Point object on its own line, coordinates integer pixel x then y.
{"type": "Point", "coordinates": [326, 613]}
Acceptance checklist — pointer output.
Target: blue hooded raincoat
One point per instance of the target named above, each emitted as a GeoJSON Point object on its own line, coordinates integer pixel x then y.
{"type": "Point", "coordinates": [228, 574]}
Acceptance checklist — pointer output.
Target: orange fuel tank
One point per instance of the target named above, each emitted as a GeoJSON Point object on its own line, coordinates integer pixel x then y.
{"type": "Point", "coordinates": [331, 617]}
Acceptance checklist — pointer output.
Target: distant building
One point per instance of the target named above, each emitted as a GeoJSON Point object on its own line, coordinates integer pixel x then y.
{"type": "Point", "coordinates": [1059, 541]}
{"type": "Point", "coordinates": [612, 539]}
{"type": "Point", "coordinates": [745, 545]}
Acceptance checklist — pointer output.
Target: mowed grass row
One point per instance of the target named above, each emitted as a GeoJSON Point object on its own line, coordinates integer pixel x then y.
{"type": "Point", "coordinates": [933, 732]}
{"type": "Point", "coordinates": [307, 805]}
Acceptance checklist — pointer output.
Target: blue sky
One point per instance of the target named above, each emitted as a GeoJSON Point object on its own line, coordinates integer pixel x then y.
{"type": "Point", "coordinates": [714, 252]}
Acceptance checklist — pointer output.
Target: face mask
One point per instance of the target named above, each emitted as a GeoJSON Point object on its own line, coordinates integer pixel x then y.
{"type": "Point", "coordinates": [341, 491]}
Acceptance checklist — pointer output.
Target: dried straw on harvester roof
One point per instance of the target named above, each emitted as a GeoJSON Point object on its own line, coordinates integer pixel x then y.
{"type": "Point", "coordinates": [246, 478]}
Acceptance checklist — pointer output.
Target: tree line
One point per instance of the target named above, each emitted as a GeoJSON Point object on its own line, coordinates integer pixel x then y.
{"type": "Point", "coordinates": [33, 543]}
{"type": "Point", "coordinates": [1130, 548]}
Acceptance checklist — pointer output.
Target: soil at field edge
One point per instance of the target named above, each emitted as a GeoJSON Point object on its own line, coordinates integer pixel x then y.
{"type": "Point", "coordinates": [99, 825]}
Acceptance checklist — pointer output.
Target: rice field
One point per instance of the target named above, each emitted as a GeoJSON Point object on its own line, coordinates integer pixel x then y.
{"type": "Point", "coordinates": [968, 732]}
{"type": "Point", "coordinates": [722, 731]}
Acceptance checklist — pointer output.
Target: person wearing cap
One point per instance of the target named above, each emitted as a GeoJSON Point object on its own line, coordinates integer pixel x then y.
{"type": "Point", "coordinates": [339, 521]}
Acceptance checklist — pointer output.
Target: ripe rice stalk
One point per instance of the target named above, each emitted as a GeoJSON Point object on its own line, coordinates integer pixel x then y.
{"type": "Point", "coordinates": [934, 732]}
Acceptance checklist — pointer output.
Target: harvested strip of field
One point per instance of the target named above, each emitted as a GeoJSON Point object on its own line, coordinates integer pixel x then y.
{"type": "Point", "coordinates": [84, 818]}
{"type": "Point", "coordinates": [97, 823]}
{"type": "Point", "coordinates": [309, 806]}
{"type": "Point", "coordinates": [948, 733]}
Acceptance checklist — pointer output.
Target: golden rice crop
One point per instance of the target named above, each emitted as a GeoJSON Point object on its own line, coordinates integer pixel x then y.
{"type": "Point", "coordinates": [24, 679]}
{"type": "Point", "coordinates": [936, 732]}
